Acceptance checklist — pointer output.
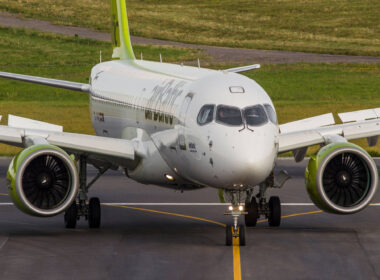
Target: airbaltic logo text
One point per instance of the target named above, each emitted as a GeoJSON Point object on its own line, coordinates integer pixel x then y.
{"type": "Point", "coordinates": [161, 103]}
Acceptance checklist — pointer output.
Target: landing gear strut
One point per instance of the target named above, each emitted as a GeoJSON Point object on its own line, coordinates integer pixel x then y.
{"type": "Point", "coordinates": [82, 207]}
{"type": "Point", "coordinates": [235, 210]}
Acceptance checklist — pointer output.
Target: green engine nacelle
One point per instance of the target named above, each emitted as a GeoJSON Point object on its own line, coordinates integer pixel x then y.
{"type": "Point", "coordinates": [42, 180]}
{"type": "Point", "coordinates": [342, 178]}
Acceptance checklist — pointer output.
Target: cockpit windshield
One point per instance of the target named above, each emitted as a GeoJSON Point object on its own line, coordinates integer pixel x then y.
{"type": "Point", "coordinates": [206, 114]}
{"type": "Point", "coordinates": [255, 115]}
{"type": "Point", "coordinates": [229, 115]}
{"type": "Point", "coordinates": [271, 113]}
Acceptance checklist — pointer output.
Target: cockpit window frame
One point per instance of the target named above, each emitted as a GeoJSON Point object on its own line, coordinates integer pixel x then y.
{"type": "Point", "coordinates": [213, 114]}
{"type": "Point", "coordinates": [256, 105]}
{"type": "Point", "coordinates": [274, 112]}
{"type": "Point", "coordinates": [226, 124]}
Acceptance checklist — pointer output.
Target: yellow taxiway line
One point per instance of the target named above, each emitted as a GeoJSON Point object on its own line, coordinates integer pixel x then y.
{"type": "Point", "coordinates": [169, 213]}
{"type": "Point", "coordinates": [235, 240]}
{"type": "Point", "coordinates": [293, 215]}
{"type": "Point", "coordinates": [236, 258]}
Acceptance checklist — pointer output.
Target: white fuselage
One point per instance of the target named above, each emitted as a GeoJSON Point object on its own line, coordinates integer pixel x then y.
{"type": "Point", "coordinates": [160, 104]}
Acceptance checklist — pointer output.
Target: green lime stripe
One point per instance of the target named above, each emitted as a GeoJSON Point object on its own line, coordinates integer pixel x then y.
{"type": "Point", "coordinates": [126, 37]}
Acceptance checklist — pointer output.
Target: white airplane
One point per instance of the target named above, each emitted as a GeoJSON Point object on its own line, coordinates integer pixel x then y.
{"type": "Point", "coordinates": [185, 128]}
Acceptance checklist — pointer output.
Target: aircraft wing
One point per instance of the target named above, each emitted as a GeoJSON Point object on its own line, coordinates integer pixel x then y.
{"type": "Point", "coordinates": [116, 152]}
{"type": "Point", "coordinates": [47, 82]}
{"type": "Point", "coordinates": [298, 136]}
{"type": "Point", "coordinates": [243, 68]}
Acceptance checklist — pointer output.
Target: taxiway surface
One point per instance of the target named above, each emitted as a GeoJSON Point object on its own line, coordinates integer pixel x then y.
{"type": "Point", "coordinates": [135, 244]}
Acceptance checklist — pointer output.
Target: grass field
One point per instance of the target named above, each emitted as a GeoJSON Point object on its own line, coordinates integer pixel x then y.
{"type": "Point", "coordinates": [298, 90]}
{"type": "Point", "coordinates": [60, 57]}
{"type": "Point", "coordinates": [323, 26]}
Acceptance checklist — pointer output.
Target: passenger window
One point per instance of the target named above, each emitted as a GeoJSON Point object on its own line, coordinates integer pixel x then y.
{"type": "Point", "coordinates": [271, 113]}
{"type": "Point", "coordinates": [229, 115]}
{"type": "Point", "coordinates": [255, 115]}
{"type": "Point", "coordinates": [206, 114]}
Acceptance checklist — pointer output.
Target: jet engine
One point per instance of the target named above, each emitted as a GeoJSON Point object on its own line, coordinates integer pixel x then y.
{"type": "Point", "coordinates": [341, 178]}
{"type": "Point", "coordinates": [42, 180]}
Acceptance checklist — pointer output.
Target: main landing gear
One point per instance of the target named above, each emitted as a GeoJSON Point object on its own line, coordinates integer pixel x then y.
{"type": "Point", "coordinates": [271, 209]}
{"type": "Point", "coordinates": [82, 207]}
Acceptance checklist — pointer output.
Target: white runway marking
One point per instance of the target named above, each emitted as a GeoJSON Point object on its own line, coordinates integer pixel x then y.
{"type": "Point", "coordinates": [164, 204]}
{"type": "Point", "coordinates": [183, 204]}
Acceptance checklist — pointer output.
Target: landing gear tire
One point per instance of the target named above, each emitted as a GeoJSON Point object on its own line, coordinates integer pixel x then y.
{"type": "Point", "coordinates": [94, 213]}
{"type": "Point", "coordinates": [274, 218]}
{"type": "Point", "coordinates": [228, 235]}
{"type": "Point", "coordinates": [242, 235]}
{"type": "Point", "coordinates": [253, 213]}
{"type": "Point", "coordinates": [71, 216]}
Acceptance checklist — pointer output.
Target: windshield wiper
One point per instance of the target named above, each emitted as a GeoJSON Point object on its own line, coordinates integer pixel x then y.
{"type": "Point", "coordinates": [245, 127]}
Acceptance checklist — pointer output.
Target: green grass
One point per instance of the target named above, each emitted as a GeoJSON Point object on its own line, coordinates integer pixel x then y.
{"type": "Point", "coordinates": [298, 90]}
{"type": "Point", "coordinates": [61, 57]}
{"type": "Point", "coordinates": [322, 26]}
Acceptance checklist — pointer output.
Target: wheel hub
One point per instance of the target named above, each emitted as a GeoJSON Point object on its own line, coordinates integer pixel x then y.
{"type": "Point", "coordinates": [44, 180]}
{"type": "Point", "coordinates": [343, 178]}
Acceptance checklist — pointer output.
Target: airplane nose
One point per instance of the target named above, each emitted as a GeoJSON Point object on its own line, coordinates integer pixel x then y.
{"type": "Point", "coordinates": [248, 159]}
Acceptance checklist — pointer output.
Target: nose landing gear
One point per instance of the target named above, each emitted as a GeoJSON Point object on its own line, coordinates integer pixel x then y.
{"type": "Point", "coordinates": [232, 233]}
{"type": "Point", "coordinates": [236, 209]}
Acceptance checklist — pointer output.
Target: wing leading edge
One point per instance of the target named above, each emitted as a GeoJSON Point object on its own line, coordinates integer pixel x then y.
{"type": "Point", "coordinates": [356, 125]}
{"type": "Point", "coordinates": [47, 82]}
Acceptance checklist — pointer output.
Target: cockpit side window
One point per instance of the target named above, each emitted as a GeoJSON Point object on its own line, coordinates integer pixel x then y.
{"type": "Point", "coordinates": [206, 114]}
{"type": "Point", "coordinates": [229, 115]}
{"type": "Point", "coordinates": [271, 113]}
{"type": "Point", "coordinates": [255, 115]}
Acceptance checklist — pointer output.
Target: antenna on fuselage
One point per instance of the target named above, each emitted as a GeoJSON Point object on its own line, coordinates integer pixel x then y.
{"type": "Point", "coordinates": [100, 56]}
{"type": "Point", "coordinates": [199, 63]}
{"type": "Point", "coordinates": [160, 58]}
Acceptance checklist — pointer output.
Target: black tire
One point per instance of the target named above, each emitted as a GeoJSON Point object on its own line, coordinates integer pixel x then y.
{"type": "Point", "coordinates": [228, 235]}
{"type": "Point", "coordinates": [242, 235]}
{"type": "Point", "coordinates": [274, 218]}
{"type": "Point", "coordinates": [71, 216]}
{"type": "Point", "coordinates": [94, 213]}
{"type": "Point", "coordinates": [253, 213]}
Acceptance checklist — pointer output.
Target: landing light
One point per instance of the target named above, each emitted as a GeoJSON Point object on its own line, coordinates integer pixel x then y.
{"type": "Point", "coordinates": [230, 208]}
{"type": "Point", "coordinates": [169, 177]}
{"type": "Point", "coordinates": [241, 208]}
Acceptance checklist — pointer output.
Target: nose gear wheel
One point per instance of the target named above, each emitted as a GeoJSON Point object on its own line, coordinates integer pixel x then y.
{"type": "Point", "coordinates": [231, 233]}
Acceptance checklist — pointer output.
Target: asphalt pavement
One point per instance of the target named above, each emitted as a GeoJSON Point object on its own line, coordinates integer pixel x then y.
{"type": "Point", "coordinates": [181, 241]}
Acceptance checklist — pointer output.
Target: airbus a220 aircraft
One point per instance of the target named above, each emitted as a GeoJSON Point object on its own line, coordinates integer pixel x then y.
{"type": "Point", "coordinates": [185, 128]}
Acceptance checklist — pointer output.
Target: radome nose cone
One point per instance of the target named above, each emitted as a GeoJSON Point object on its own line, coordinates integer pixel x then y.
{"type": "Point", "coordinates": [248, 165]}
